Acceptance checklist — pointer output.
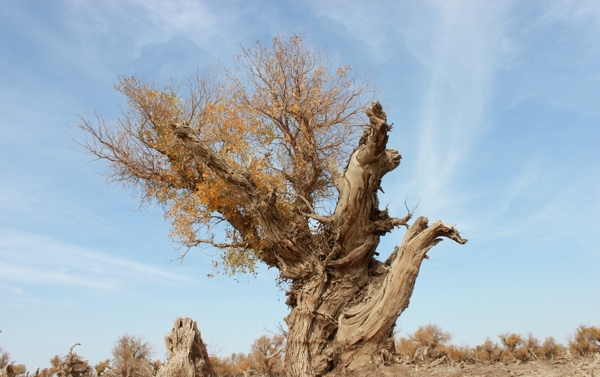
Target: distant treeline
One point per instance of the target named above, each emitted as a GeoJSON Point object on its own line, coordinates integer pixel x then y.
{"type": "Point", "coordinates": [132, 356]}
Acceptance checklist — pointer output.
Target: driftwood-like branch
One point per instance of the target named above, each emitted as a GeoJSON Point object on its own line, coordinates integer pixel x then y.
{"type": "Point", "coordinates": [280, 350]}
{"type": "Point", "coordinates": [365, 321]}
{"type": "Point", "coordinates": [336, 175]}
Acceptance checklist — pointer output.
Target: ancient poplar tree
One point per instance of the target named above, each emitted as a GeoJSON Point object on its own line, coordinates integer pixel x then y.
{"type": "Point", "coordinates": [267, 163]}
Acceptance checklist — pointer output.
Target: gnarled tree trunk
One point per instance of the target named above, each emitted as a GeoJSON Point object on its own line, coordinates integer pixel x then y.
{"type": "Point", "coordinates": [344, 311]}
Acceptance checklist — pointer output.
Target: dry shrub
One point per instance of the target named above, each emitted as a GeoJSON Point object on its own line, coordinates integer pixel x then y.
{"type": "Point", "coordinates": [406, 347]}
{"type": "Point", "coordinates": [531, 345]}
{"type": "Point", "coordinates": [586, 341]}
{"type": "Point", "coordinates": [103, 368]}
{"type": "Point", "coordinates": [231, 366]}
{"type": "Point", "coordinates": [458, 353]}
{"type": "Point", "coordinates": [8, 367]}
{"type": "Point", "coordinates": [488, 351]}
{"type": "Point", "coordinates": [265, 359]}
{"type": "Point", "coordinates": [73, 365]}
{"type": "Point", "coordinates": [430, 336]}
{"type": "Point", "coordinates": [4, 358]}
{"type": "Point", "coordinates": [220, 365]}
{"type": "Point", "coordinates": [550, 349]}
{"type": "Point", "coordinates": [518, 348]}
{"type": "Point", "coordinates": [522, 354]}
{"type": "Point", "coordinates": [510, 342]}
{"type": "Point", "coordinates": [20, 370]}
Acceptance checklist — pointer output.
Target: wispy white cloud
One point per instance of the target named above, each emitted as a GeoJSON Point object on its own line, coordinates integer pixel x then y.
{"type": "Point", "coordinates": [535, 206]}
{"type": "Point", "coordinates": [26, 197]}
{"type": "Point", "coordinates": [585, 12]}
{"type": "Point", "coordinates": [11, 288]}
{"type": "Point", "coordinates": [524, 182]}
{"type": "Point", "coordinates": [101, 39]}
{"type": "Point", "coordinates": [455, 104]}
{"type": "Point", "coordinates": [191, 17]}
{"type": "Point", "coordinates": [380, 27]}
{"type": "Point", "coordinates": [39, 260]}
{"type": "Point", "coordinates": [154, 23]}
{"type": "Point", "coordinates": [570, 57]}
{"type": "Point", "coordinates": [16, 273]}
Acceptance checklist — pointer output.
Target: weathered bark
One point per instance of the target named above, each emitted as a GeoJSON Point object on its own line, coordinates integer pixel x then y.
{"type": "Point", "coordinates": [187, 355]}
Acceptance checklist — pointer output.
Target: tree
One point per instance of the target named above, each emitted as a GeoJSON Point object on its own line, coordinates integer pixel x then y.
{"type": "Point", "coordinates": [248, 161]}
{"type": "Point", "coordinates": [266, 355]}
{"type": "Point", "coordinates": [131, 358]}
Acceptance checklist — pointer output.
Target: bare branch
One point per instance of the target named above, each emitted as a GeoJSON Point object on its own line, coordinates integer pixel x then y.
{"type": "Point", "coordinates": [73, 346]}
{"type": "Point", "coordinates": [321, 219]}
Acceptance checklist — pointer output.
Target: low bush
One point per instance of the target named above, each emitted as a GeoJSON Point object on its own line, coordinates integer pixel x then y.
{"type": "Point", "coordinates": [585, 341]}
{"type": "Point", "coordinates": [549, 350]}
{"type": "Point", "coordinates": [488, 351]}
{"type": "Point", "coordinates": [430, 336]}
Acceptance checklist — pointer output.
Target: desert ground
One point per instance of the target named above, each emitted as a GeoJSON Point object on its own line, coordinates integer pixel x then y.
{"type": "Point", "coordinates": [575, 366]}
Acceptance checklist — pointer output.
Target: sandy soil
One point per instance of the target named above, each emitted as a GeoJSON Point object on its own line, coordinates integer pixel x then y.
{"type": "Point", "coordinates": [580, 366]}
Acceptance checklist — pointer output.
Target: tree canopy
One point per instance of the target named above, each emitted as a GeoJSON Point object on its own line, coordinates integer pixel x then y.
{"type": "Point", "coordinates": [268, 128]}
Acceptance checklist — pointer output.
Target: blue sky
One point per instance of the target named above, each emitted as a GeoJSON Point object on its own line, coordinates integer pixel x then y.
{"type": "Point", "coordinates": [496, 107]}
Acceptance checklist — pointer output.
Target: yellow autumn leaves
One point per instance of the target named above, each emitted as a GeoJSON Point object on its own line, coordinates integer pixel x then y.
{"type": "Point", "coordinates": [275, 118]}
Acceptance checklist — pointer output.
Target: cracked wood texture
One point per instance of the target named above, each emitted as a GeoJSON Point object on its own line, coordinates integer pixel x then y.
{"type": "Point", "coordinates": [247, 164]}
{"type": "Point", "coordinates": [186, 352]}
{"type": "Point", "coordinates": [345, 312]}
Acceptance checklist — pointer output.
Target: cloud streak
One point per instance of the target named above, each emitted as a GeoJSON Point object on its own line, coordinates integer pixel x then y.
{"type": "Point", "coordinates": [453, 114]}
{"type": "Point", "coordinates": [561, 70]}
{"type": "Point", "coordinates": [154, 23]}
{"type": "Point", "coordinates": [33, 259]}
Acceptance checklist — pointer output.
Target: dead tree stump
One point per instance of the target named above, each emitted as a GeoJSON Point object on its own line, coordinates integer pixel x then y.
{"type": "Point", "coordinates": [187, 355]}
{"type": "Point", "coordinates": [7, 371]}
